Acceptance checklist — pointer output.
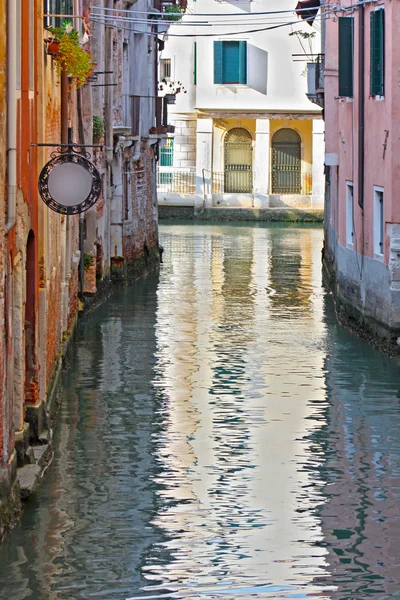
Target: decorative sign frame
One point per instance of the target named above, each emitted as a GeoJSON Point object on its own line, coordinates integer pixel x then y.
{"type": "Point", "coordinates": [73, 168]}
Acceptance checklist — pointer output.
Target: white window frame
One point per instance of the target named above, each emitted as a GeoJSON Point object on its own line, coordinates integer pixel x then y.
{"type": "Point", "coordinates": [349, 214]}
{"type": "Point", "coordinates": [165, 66]}
{"type": "Point", "coordinates": [379, 222]}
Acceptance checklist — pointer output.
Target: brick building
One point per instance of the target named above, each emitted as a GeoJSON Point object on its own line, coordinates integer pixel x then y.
{"type": "Point", "coordinates": [49, 263]}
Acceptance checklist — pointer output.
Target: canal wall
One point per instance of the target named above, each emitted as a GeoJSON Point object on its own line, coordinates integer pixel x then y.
{"type": "Point", "coordinates": [288, 215]}
{"type": "Point", "coordinates": [364, 304]}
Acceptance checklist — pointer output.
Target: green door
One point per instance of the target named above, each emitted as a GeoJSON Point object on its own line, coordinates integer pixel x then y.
{"type": "Point", "coordinates": [286, 162]}
{"type": "Point", "coordinates": [238, 175]}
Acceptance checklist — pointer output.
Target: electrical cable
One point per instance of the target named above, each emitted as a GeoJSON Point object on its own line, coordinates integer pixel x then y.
{"type": "Point", "coordinates": [107, 20]}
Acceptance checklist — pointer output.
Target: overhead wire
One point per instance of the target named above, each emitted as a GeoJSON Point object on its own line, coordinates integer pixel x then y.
{"type": "Point", "coordinates": [113, 20]}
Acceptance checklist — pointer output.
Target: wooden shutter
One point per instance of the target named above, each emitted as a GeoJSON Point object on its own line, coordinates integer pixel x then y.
{"type": "Point", "coordinates": [230, 62]}
{"type": "Point", "coordinates": [135, 118]}
{"type": "Point", "coordinates": [377, 53]}
{"type": "Point", "coordinates": [159, 104]}
{"type": "Point", "coordinates": [243, 62]}
{"type": "Point", "coordinates": [218, 62]}
{"type": "Point", "coordinates": [195, 63]}
{"type": "Point", "coordinates": [346, 55]}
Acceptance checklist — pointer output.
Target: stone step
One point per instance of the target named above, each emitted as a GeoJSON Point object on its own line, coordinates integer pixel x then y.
{"type": "Point", "coordinates": [28, 479]}
{"type": "Point", "coordinates": [30, 474]}
{"type": "Point", "coordinates": [42, 454]}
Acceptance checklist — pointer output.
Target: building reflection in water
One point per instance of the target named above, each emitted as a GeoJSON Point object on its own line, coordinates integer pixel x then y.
{"type": "Point", "coordinates": [360, 444]}
{"type": "Point", "coordinates": [240, 391]}
{"type": "Point", "coordinates": [219, 433]}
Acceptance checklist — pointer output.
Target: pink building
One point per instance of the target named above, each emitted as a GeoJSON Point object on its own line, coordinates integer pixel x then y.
{"type": "Point", "coordinates": [362, 205]}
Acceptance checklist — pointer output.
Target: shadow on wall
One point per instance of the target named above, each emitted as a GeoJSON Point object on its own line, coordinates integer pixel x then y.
{"type": "Point", "coordinates": [244, 5]}
{"type": "Point", "coordinates": [257, 65]}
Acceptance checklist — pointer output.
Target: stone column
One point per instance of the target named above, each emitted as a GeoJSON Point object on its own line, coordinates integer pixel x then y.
{"type": "Point", "coordinates": [262, 164]}
{"type": "Point", "coordinates": [318, 157]}
{"type": "Point", "coordinates": [204, 162]}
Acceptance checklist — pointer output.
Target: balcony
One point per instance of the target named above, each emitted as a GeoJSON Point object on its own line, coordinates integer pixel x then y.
{"type": "Point", "coordinates": [315, 80]}
{"type": "Point", "coordinates": [171, 11]}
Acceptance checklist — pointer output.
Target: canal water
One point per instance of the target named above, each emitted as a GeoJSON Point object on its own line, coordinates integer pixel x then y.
{"type": "Point", "coordinates": [221, 437]}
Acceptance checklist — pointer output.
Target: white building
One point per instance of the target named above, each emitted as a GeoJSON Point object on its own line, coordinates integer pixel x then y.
{"type": "Point", "coordinates": [245, 132]}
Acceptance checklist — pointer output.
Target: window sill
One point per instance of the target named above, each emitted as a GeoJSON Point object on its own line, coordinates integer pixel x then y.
{"type": "Point", "coordinates": [232, 85]}
{"type": "Point", "coordinates": [350, 245]}
{"type": "Point", "coordinates": [378, 256]}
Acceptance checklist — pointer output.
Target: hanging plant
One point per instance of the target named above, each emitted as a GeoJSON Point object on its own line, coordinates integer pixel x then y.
{"type": "Point", "coordinates": [171, 87]}
{"type": "Point", "coordinates": [98, 129]}
{"type": "Point", "coordinates": [172, 13]}
{"type": "Point", "coordinates": [70, 57]}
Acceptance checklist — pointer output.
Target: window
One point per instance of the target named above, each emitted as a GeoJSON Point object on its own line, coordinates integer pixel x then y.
{"type": "Point", "coordinates": [167, 153]}
{"type": "Point", "coordinates": [346, 56]}
{"type": "Point", "coordinates": [379, 222]}
{"type": "Point", "coordinates": [230, 62]}
{"type": "Point", "coordinates": [165, 69]}
{"type": "Point", "coordinates": [349, 214]}
{"type": "Point", "coordinates": [377, 52]}
{"type": "Point", "coordinates": [166, 176]}
{"type": "Point", "coordinates": [56, 7]}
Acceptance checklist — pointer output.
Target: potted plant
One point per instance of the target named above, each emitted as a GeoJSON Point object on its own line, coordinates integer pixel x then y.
{"type": "Point", "coordinates": [172, 13]}
{"type": "Point", "coordinates": [69, 56]}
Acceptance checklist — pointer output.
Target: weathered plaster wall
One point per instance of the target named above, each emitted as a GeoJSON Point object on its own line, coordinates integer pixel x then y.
{"type": "Point", "coordinates": [3, 252]}
{"type": "Point", "coordinates": [366, 282]}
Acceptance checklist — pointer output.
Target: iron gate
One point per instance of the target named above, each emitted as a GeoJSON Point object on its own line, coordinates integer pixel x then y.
{"type": "Point", "coordinates": [238, 175]}
{"type": "Point", "coordinates": [286, 162]}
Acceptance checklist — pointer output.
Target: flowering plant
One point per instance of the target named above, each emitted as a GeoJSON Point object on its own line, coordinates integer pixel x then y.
{"type": "Point", "coordinates": [171, 87]}
{"type": "Point", "coordinates": [70, 56]}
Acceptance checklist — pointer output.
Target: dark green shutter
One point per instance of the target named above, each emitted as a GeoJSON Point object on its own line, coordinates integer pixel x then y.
{"type": "Point", "coordinates": [377, 52]}
{"type": "Point", "coordinates": [195, 63]}
{"type": "Point", "coordinates": [167, 153]}
{"type": "Point", "coordinates": [218, 62]}
{"type": "Point", "coordinates": [346, 43]}
{"type": "Point", "coordinates": [230, 62]}
{"type": "Point", "coordinates": [243, 62]}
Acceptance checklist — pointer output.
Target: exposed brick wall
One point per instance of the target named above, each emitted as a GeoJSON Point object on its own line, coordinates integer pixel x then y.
{"type": "Point", "coordinates": [141, 234]}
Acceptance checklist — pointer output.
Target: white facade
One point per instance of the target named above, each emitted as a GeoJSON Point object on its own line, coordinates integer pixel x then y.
{"type": "Point", "coordinates": [271, 96]}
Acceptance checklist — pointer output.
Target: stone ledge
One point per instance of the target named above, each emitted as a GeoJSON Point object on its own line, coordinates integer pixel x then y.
{"type": "Point", "coordinates": [288, 215]}
{"type": "Point", "coordinates": [379, 335]}
{"type": "Point", "coordinates": [28, 478]}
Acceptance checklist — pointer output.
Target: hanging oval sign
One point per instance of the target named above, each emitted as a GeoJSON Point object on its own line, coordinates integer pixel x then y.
{"type": "Point", "coordinates": [69, 183]}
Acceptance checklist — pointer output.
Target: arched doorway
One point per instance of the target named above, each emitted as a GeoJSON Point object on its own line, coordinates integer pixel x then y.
{"type": "Point", "coordinates": [238, 174]}
{"type": "Point", "coordinates": [286, 162]}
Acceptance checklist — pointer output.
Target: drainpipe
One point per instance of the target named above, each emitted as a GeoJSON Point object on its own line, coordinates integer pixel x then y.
{"type": "Point", "coordinates": [108, 95]}
{"type": "Point", "coordinates": [361, 103]}
{"type": "Point", "coordinates": [81, 133]}
{"type": "Point", "coordinates": [11, 115]}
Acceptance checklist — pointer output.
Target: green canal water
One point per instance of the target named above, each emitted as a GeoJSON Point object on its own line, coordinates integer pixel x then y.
{"type": "Point", "coordinates": [220, 436]}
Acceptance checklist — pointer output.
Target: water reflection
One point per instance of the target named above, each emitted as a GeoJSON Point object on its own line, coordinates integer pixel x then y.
{"type": "Point", "coordinates": [220, 436]}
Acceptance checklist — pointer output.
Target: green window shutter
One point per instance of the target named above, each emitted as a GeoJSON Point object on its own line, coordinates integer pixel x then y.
{"type": "Point", "coordinates": [377, 52]}
{"type": "Point", "coordinates": [346, 43]}
{"type": "Point", "coordinates": [230, 62]}
{"type": "Point", "coordinates": [243, 62]}
{"type": "Point", "coordinates": [195, 63]}
{"type": "Point", "coordinates": [218, 62]}
{"type": "Point", "coordinates": [167, 153]}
